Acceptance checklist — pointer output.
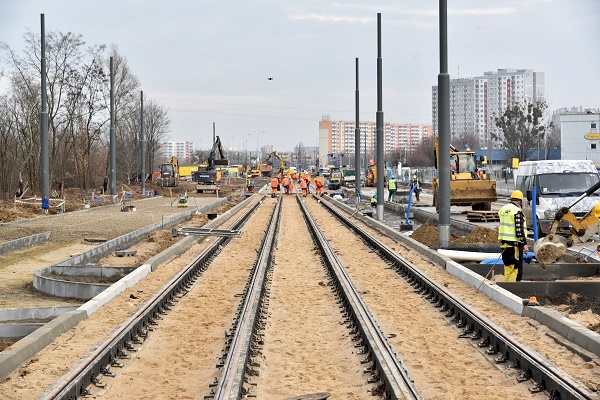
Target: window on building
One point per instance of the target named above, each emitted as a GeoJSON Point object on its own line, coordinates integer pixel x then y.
{"type": "Point", "coordinates": [593, 125]}
{"type": "Point", "coordinates": [593, 146]}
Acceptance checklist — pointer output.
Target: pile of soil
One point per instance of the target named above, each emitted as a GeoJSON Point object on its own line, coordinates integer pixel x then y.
{"type": "Point", "coordinates": [428, 234]}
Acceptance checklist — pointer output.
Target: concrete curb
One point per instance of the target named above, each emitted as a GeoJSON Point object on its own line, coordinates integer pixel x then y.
{"type": "Point", "coordinates": [24, 349]}
{"type": "Point", "coordinates": [24, 242]}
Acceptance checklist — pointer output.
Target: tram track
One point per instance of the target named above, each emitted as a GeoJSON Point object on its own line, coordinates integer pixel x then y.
{"type": "Point", "coordinates": [367, 342]}
{"type": "Point", "coordinates": [495, 343]}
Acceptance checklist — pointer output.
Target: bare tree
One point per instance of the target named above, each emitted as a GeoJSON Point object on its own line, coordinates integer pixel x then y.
{"type": "Point", "coordinates": [522, 129]}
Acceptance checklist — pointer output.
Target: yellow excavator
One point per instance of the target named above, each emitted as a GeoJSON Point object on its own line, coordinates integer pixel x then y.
{"type": "Point", "coordinates": [551, 247]}
{"type": "Point", "coordinates": [466, 188]}
{"type": "Point", "coordinates": [282, 168]}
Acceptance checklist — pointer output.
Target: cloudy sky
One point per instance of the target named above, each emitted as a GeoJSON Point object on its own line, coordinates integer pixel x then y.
{"type": "Point", "coordinates": [209, 61]}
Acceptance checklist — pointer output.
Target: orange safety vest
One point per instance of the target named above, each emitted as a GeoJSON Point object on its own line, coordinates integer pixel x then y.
{"type": "Point", "coordinates": [274, 183]}
{"type": "Point", "coordinates": [303, 184]}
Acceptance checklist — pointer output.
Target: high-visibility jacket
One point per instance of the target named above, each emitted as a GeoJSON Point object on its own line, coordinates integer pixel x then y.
{"type": "Point", "coordinates": [285, 181]}
{"type": "Point", "coordinates": [274, 183]}
{"type": "Point", "coordinates": [303, 183]}
{"type": "Point", "coordinates": [507, 230]}
{"type": "Point", "coordinates": [392, 184]}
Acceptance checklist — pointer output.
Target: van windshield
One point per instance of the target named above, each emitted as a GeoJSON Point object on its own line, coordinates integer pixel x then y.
{"type": "Point", "coordinates": [566, 184]}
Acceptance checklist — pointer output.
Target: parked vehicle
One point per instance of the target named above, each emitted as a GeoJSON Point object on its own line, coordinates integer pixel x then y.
{"type": "Point", "coordinates": [558, 184]}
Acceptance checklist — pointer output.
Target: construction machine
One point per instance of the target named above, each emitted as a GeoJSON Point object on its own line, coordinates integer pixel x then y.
{"type": "Point", "coordinates": [551, 247]}
{"type": "Point", "coordinates": [466, 188]}
{"type": "Point", "coordinates": [283, 169]}
{"type": "Point", "coordinates": [335, 180]}
{"type": "Point", "coordinates": [169, 173]}
{"type": "Point", "coordinates": [207, 176]}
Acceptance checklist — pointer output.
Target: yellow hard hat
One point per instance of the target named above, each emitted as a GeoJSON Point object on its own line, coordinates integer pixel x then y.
{"type": "Point", "coordinates": [517, 195]}
{"type": "Point", "coordinates": [414, 177]}
{"type": "Point", "coordinates": [597, 209]}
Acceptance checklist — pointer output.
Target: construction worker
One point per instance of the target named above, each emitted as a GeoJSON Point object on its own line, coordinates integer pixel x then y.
{"type": "Point", "coordinates": [415, 182]}
{"type": "Point", "coordinates": [248, 184]}
{"type": "Point", "coordinates": [274, 186]}
{"type": "Point", "coordinates": [512, 234]}
{"type": "Point", "coordinates": [285, 182]}
{"type": "Point", "coordinates": [304, 186]}
{"type": "Point", "coordinates": [319, 186]}
{"type": "Point", "coordinates": [391, 188]}
{"type": "Point", "coordinates": [307, 177]}
{"type": "Point", "coordinates": [374, 200]}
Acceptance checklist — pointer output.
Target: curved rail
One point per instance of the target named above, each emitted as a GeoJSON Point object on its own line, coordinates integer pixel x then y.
{"type": "Point", "coordinates": [546, 377]}
{"type": "Point", "coordinates": [135, 329]}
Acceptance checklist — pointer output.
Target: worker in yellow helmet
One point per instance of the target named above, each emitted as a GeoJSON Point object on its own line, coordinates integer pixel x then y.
{"type": "Point", "coordinates": [512, 234]}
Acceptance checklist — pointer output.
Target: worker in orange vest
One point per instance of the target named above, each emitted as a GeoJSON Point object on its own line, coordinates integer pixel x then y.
{"type": "Point", "coordinates": [286, 182]}
{"type": "Point", "coordinates": [304, 186]}
{"type": "Point", "coordinates": [291, 185]}
{"type": "Point", "coordinates": [319, 186]}
{"type": "Point", "coordinates": [274, 186]}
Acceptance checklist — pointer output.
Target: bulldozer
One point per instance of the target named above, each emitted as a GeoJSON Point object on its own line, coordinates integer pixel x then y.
{"type": "Point", "coordinates": [551, 247]}
{"type": "Point", "coordinates": [466, 188]}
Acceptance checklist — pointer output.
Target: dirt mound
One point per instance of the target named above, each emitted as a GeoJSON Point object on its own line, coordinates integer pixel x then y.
{"type": "Point", "coordinates": [429, 235]}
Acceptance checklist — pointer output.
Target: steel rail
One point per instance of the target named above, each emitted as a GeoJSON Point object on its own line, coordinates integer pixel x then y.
{"type": "Point", "coordinates": [387, 367]}
{"type": "Point", "coordinates": [546, 377]}
{"type": "Point", "coordinates": [135, 329]}
{"type": "Point", "coordinates": [230, 384]}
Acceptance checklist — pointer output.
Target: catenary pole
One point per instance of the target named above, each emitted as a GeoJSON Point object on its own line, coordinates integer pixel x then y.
{"type": "Point", "coordinates": [44, 126]}
{"type": "Point", "coordinates": [444, 130]}
{"type": "Point", "coordinates": [379, 126]}
{"type": "Point", "coordinates": [142, 143]}
{"type": "Point", "coordinates": [113, 141]}
{"type": "Point", "coordinates": [357, 168]}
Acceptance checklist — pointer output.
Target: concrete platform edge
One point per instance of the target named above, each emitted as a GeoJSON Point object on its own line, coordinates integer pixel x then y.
{"type": "Point", "coordinates": [24, 349]}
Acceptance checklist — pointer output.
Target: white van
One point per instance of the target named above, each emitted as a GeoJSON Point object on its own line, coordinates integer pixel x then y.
{"type": "Point", "coordinates": [558, 183]}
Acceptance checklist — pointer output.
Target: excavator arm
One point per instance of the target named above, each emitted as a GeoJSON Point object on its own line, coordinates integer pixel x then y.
{"type": "Point", "coordinates": [553, 246]}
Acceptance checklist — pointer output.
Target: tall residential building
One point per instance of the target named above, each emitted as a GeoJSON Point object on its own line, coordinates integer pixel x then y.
{"type": "Point", "coordinates": [476, 102]}
{"type": "Point", "coordinates": [181, 150]}
{"type": "Point", "coordinates": [337, 137]}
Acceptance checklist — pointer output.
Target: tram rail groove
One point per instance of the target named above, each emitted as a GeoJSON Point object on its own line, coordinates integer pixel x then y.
{"type": "Point", "coordinates": [97, 363]}
{"type": "Point", "coordinates": [386, 365]}
{"type": "Point", "coordinates": [545, 376]}
{"type": "Point", "coordinates": [246, 327]}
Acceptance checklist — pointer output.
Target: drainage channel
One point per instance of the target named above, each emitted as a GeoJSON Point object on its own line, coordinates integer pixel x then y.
{"type": "Point", "coordinates": [79, 381]}
{"type": "Point", "coordinates": [502, 348]}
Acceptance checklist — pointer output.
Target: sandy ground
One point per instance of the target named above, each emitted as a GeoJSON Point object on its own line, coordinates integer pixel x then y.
{"type": "Point", "coordinates": [303, 345]}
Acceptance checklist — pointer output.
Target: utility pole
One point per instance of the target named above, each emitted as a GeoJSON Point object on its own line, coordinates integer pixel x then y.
{"type": "Point", "coordinates": [113, 141]}
{"type": "Point", "coordinates": [44, 129]}
{"type": "Point", "coordinates": [444, 130]}
{"type": "Point", "coordinates": [379, 126]}
{"type": "Point", "coordinates": [357, 168]}
{"type": "Point", "coordinates": [142, 143]}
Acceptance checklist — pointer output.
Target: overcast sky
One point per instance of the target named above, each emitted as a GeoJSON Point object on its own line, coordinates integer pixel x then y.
{"type": "Point", "coordinates": [209, 61]}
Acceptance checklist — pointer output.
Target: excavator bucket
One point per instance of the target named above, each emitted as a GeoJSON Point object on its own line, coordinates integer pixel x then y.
{"type": "Point", "coordinates": [221, 162]}
{"type": "Point", "coordinates": [549, 249]}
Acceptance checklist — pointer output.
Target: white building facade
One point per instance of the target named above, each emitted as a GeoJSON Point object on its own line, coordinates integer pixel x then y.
{"type": "Point", "coordinates": [580, 135]}
{"type": "Point", "coordinates": [181, 150]}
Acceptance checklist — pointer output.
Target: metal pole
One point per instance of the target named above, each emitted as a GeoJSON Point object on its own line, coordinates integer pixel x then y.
{"type": "Point", "coordinates": [444, 129]}
{"type": "Point", "coordinates": [357, 139]}
{"type": "Point", "coordinates": [113, 141]}
{"type": "Point", "coordinates": [44, 127]}
{"type": "Point", "coordinates": [142, 143]}
{"type": "Point", "coordinates": [379, 125]}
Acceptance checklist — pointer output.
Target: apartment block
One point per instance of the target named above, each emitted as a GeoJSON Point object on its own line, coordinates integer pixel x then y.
{"type": "Point", "coordinates": [337, 137]}
{"type": "Point", "coordinates": [476, 102]}
{"type": "Point", "coordinates": [181, 150]}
